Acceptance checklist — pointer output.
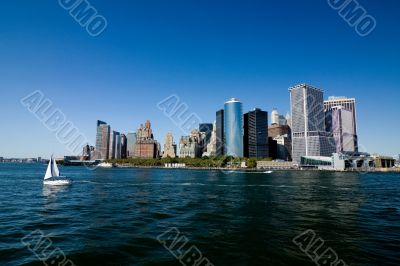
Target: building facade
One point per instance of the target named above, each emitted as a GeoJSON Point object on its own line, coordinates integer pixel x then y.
{"type": "Point", "coordinates": [169, 147]}
{"type": "Point", "coordinates": [220, 132]}
{"type": "Point", "coordinates": [274, 117]}
{"type": "Point", "coordinates": [130, 144]}
{"type": "Point", "coordinates": [117, 150]}
{"type": "Point", "coordinates": [255, 138]}
{"type": "Point", "coordinates": [340, 122]}
{"type": "Point", "coordinates": [211, 149]}
{"type": "Point", "coordinates": [190, 146]}
{"type": "Point", "coordinates": [146, 146]}
{"type": "Point", "coordinates": [102, 140]}
{"type": "Point", "coordinates": [233, 128]}
{"type": "Point", "coordinates": [111, 150]}
{"type": "Point", "coordinates": [349, 126]}
{"type": "Point", "coordinates": [206, 129]}
{"type": "Point", "coordinates": [309, 135]}
{"type": "Point", "coordinates": [123, 146]}
{"type": "Point", "coordinates": [284, 147]}
{"type": "Point", "coordinates": [276, 130]}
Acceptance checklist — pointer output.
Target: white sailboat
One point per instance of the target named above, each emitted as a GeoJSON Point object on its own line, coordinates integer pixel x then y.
{"type": "Point", "coordinates": [53, 177]}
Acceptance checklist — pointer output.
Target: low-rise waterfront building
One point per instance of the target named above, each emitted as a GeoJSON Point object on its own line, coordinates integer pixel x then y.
{"type": "Point", "coordinates": [275, 165]}
{"type": "Point", "coordinates": [339, 162]}
{"type": "Point", "coordinates": [175, 165]}
{"type": "Point", "coordinates": [384, 161]}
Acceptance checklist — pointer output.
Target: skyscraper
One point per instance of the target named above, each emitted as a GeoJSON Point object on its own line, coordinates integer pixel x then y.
{"type": "Point", "coordinates": [130, 144]}
{"type": "Point", "coordinates": [206, 129]}
{"type": "Point", "coordinates": [169, 147]}
{"type": "Point", "coordinates": [102, 140]}
{"type": "Point", "coordinates": [255, 138]}
{"type": "Point", "coordinates": [123, 146]}
{"type": "Point", "coordinates": [340, 122]}
{"type": "Point", "coordinates": [146, 146]}
{"type": "Point", "coordinates": [211, 149]}
{"type": "Point", "coordinates": [190, 146]}
{"type": "Point", "coordinates": [117, 150]}
{"type": "Point", "coordinates": [346, 104]}
{"type": "Point", "coordinates": [309, 136]}
{"type": "Point", "coordinates": [111, 148]}
{"type": "Point", "coordinates": [275, 116]}
{"type": "Point", "coordinates": [220, 132]}
{"type": "Point", "coordinates": [233, 128]}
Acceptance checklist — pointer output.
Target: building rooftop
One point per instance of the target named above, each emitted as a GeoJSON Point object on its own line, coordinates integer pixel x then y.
{"type": "Point", "coordinates": [339, 98]}
{"type": "Point", "coordinates": [233, 100]}
{"type": "Point", "coordinates": [306, 86]}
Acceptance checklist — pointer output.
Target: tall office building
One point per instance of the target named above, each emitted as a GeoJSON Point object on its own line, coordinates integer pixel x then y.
{"type": "Point", "coordinates": [123, 146]}
{"type": "Point", "coordinates": [255, 140]}
{"type": "Point", "coordinates": [111, 148]}
{"type": "Point", "coordinates": [348, 104]}
{"type": "Point", "coordinates": [169, 147]}
{"type": "Point", "coordinates": [206, 130]}
{"type": "Point", "coordinates": [190, 146]}
{"type": "Point", "coordinates": [130, 144]}
{"type": "Point", "coordinates": [233, 128]}
{"type": "Point", "coordinates": [102, 140]}
{"type": "Point", "coordinates": [117, 150]}
{"type": "Point", "coordinates": [146, 146]}
{"type": "Point", "coordinates": [220, 133]}
{"type": "Point", "coordinates": [309, 135]}
{"type": "Point", "coordinates": [211, 149]}
{"type": "Point", "coordinates": [275, 117]}
{"type": "Point", "coordinates": [340, 122]}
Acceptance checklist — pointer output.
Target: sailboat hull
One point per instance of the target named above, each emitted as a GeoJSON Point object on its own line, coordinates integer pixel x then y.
{"type": "Point", "coordinates": [57, 181]}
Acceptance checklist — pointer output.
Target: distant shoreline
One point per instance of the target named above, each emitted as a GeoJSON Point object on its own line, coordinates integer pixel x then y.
{"type": "Point", "coordinates": [377, 170]}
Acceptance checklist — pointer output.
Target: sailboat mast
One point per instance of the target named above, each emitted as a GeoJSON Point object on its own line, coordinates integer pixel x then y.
{"type": "Point", "coordinates": [52, 167]}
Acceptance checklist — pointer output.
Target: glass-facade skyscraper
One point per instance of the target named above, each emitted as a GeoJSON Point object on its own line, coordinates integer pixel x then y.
{"type": "Point", "coordinates": [309, 135]}
{"type": "Point", "coordinates": [348, 104]}
{"type": "Point", "coordinates": [102, 140]}
{"type": "Point", "coordinates": [233, 128]}
{"type": "Point", "coordinates": [256, 134]}
{"type": "Point", "coordinates": [219, 124]}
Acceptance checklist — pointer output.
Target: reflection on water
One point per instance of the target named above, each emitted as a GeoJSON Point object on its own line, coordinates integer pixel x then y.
{"type": "Point", "coordinates": [51, 192]}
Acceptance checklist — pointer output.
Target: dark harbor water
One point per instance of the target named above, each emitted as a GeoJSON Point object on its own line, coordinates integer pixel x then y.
{"type": "Point", "coordinates": [113, 216]}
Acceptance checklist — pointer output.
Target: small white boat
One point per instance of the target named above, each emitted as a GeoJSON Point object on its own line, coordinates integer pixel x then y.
{"type": "Point", "coordinates": [105, 165]}
{"type": "Point", "coordinates": [53, 176]}
{"type": "Point", "coordinates": [268, 172]}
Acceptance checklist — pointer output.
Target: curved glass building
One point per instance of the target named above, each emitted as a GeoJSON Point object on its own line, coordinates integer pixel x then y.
{"type": "Point", "coordinates": [233, 128]}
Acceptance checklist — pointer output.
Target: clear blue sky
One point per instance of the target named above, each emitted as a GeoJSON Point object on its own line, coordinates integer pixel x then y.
{"type": "Point", "coordinates": [205, 51]}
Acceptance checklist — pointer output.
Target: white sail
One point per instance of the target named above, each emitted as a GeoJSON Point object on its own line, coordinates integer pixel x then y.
{"type": "Point", "coordinates": [56, 172]}
{"type": "Point", "coordinates": [49, 170]}
{"type": "Point", "coordinates": [53, 171]}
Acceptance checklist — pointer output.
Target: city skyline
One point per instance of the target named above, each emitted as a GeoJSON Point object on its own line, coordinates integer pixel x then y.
{"type": "Point", "coordinates": [120, 76]}
{"type": "Point", "coordinates": [133, 131]}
